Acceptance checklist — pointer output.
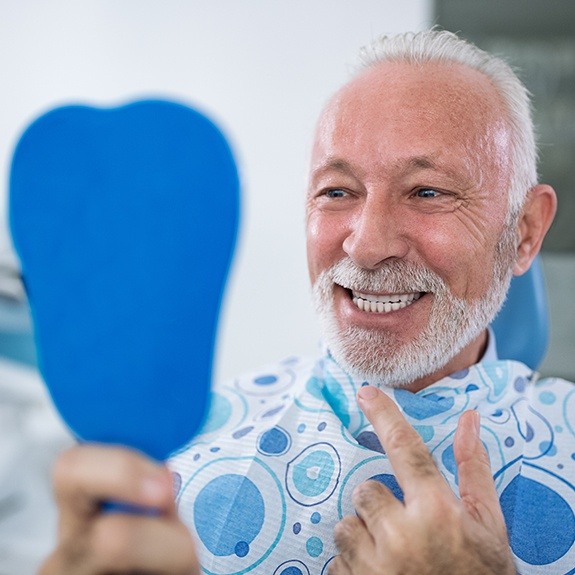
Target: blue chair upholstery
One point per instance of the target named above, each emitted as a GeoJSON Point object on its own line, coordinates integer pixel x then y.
{"type": "Point", "coordinates": [522, 326]}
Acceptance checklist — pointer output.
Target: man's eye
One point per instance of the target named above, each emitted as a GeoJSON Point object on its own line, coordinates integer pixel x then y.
{"type": "Point", "coordinates": [336, 193]}
{"type": "Point", "coordinates": [427, 193]}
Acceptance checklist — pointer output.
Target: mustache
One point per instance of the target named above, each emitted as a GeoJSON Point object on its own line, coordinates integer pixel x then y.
{"type": "Point", "coordinates": [396, 276]}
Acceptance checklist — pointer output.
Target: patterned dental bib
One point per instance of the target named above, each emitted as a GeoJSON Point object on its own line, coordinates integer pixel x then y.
{"type": "Point", "coordinates": [276, 463]}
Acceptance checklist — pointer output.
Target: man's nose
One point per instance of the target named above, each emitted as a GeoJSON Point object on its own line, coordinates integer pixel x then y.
{"type": "Point", "coordinates": [375, 236]}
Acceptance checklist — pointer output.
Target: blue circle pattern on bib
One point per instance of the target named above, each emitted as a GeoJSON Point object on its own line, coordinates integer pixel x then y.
{"type": "Point", "coordinates": [265, 494]}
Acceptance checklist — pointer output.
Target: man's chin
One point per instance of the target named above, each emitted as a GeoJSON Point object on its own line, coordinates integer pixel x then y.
{"type": "Point", "coordinates": [376, 358]}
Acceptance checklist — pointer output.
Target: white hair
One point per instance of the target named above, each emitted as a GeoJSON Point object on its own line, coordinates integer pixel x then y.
{"type": "Point", "coordinates": [444, 46]}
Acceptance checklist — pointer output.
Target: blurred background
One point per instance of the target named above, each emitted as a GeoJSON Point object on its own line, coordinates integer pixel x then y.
{"type": "Point", "coordinates": [262, 70]}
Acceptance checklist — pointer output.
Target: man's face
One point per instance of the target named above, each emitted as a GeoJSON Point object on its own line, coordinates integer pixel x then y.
{"type": "Point", "coordinates": [407, 245]}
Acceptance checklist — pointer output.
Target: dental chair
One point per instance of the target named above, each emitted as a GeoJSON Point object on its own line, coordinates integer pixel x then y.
{"type": "Point", "coordinates": [522, 326]}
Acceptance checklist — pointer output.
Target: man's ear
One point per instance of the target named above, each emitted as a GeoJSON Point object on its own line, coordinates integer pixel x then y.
{"type": "Point", "coordinates": [535, 221]}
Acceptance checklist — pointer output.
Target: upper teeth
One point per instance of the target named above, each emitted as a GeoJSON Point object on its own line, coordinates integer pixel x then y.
{"type": "Point", "coordinates": [383, 303]}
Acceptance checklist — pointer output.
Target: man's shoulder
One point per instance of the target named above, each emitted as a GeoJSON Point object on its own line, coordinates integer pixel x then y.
{"type": "Point", "coordinates": [554, 397]}
{"type": "Point", "coordinates": [555, 384]}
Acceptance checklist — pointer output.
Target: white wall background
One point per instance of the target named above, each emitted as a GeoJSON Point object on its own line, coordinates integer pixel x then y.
{"type": "Point", "coordinates": [262, 69]}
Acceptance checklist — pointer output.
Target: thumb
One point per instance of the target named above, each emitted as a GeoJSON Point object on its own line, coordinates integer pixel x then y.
{"type": "Point", "coordinates": [476, 486]}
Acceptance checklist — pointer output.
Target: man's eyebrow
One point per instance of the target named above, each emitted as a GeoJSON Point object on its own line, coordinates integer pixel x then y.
{"type": "Point", "coordinates": [420, 162]}
{"type": "Point", "coordinates": [336, 164]}
{"type": "Point", "coordinates": [404, 166]}
{"type": "Point", "coordinates": [425, 162]}
{"type": "Point", "coordinates": [407, 164]}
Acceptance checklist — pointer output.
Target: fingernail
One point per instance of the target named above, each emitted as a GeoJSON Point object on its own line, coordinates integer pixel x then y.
{"type": "Point", "coordinates": [367, 392]}
{"type": "Point", "coordinates": [477, 422]}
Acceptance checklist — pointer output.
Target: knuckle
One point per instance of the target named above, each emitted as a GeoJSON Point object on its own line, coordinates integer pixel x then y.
{"type": "Point", "coordinates": [121, 462]}
{"type": "Point", "coordinates": [68, 481]}
{"type": "Point", "coordinates": [423, 464]}
{"type": "Point", "coordinates": [360, 495]}
{"type": "Point", "coordinates": [368, 494]}
{"type": "Point", "coordinates": [343, 530]}
{"type": "Point", "coordinates": [400, 436]}
{"type": "Point", "coordinates": [405, 439]}
{"type": "Point", "coordinates": [364, 490]}
{"type": "Point", "coordinates": [65, 465]}
{"type": "Point", "coordinates": [398, 538]}
{"type": "Point", "coordinates": [446, 511]}
{"type": "Point", "coordinates": [340, 532]}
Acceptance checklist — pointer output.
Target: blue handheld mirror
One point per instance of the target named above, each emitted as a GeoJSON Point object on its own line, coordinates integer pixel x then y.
{"type": "Point", "coordinates": [125, 222]}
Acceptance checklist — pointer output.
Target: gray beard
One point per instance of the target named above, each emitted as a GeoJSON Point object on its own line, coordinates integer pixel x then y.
{"type": "Point", "coordinates": [378, 356]}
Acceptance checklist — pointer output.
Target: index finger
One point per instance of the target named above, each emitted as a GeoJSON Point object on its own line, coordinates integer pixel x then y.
{"type": "Point", "coordinates": [410, 459]}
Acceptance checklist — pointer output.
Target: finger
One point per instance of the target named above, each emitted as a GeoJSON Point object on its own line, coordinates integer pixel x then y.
{"type": "Point", "coordinates": [373, 502]}
{"type": "Point", "coordinates": [87, 475]}
{"type": "Point", "coordinates": [355, 544]}
{"type": "Point", "coordinates": [410, 459]}
{"type": "Point", "coordinates": [138, 544]}
{"type": "Point", "coordinates": [127, 544]}
{"type": "Point", "coordinates": [476, 486]}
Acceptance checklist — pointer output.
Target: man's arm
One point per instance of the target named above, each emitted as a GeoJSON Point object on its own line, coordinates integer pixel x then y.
{"type": "Point", "coordinates": [94, 542]}
{"type": "Point", "coordinates": [432, 532]}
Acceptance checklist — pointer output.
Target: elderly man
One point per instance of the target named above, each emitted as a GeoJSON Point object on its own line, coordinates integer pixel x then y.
{"type": "Point", "coordinates": [423, 202]}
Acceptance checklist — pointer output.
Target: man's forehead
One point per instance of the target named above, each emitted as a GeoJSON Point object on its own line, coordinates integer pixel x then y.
{"type": "Point", "coordinates": [448, 103]}
{"type": "Point", "coordinates": [432, 85]}
{"type": "Point", "coordinates": [405, 119]}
